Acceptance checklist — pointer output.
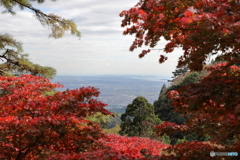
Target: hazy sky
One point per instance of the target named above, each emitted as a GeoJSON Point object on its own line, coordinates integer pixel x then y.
{"type": "Point", "coordinates": [102, 48]}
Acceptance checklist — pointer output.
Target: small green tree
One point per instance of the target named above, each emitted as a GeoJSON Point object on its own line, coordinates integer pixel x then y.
{"type": "Point", "coordinates": [139, 118]}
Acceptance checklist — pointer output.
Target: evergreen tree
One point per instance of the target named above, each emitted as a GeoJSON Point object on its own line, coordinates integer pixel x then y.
{"type": "Point", "coordinates": [57, 24]}
{"type": "Point", "coordinates": [164, 109]}
{"type": "Point", "coordinates": [13, 60]}
{"type": "Point", "coordinates": [179, 71]}
{"type": "Point", "coordinates": [139, 118]}
{"type": "Point", "coordinates": [163, 90]}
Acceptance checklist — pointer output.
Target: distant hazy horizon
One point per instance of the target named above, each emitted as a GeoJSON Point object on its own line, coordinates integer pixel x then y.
{"type": "Point", "coordinates": [117, 90]}
{"type": "Point", "coordinates": [118, 75]}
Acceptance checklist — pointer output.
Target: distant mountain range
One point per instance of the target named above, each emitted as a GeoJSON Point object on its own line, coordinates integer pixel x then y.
{"type": "Point", "coordinates": [117, 91]}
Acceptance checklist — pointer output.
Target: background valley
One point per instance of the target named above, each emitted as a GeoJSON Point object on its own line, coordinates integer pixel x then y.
{"type": "Point", "coordinates": [117, 91]}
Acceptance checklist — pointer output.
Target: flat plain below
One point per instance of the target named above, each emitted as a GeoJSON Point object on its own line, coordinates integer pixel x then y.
{"type": "Point", "coordinates": [117, 91]}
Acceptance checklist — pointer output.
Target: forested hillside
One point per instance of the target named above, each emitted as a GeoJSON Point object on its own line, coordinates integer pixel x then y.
{"type": "Point", "coordinates": [195, 118]}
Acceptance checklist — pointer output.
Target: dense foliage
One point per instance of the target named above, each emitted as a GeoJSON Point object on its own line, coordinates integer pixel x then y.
{"type": "Point", "coordinates": [38, 123]}
{"type": "Point", "coordinates": [139, 118]}
{"type": "Point", "coordinates": [201, 28]}
{"type": "Point", "coordinates": [209, 114]}
{"type": "Point", "coordinates": [35, 126]}
{"type": "Point", "coordinates": [129, 148]}
{"type": "Point", "coordinates": [163, 106]}
{"type": "Point", "coordinates": [165, 110]}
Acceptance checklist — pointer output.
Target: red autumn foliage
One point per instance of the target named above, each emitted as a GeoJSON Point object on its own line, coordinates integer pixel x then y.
{"type": "Point", "coordinates": [128, 148]}
{"type": "Point", "coordinates": [213, 102]}
{"type": "Point", "coordinates": [213, 106]}
{"type": "Point", "coordinates": [34, 126]}
{"type": "Point", "coordinates": [191, 150]}
{"type": "Point", "coordinates": [201, 28]}
{"type": "Point", "coordinates": [169, 127]}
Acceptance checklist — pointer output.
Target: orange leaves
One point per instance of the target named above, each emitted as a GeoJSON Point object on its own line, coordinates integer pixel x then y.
{"type": "Point", "coordinates": [170, 47]}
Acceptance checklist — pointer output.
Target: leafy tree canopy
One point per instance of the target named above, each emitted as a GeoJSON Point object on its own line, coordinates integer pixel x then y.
{"type": "Point", "coordinates": [139, 118]}
{"type": "Point", "coordinates": [213, 106]}
{"type": "Point", "coordinates": [36, 126]}
{"type": "Point", "coordinates": [200, 27]}
{"type": "Point", "coordinates": [125, 148]}
{"type": "Point", "coordinates": [163, 106]}
{"type": "Point", "coordinates": [165, 110]}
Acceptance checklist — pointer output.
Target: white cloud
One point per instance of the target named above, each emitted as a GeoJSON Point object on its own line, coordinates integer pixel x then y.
{"type": "Point", "coordinates": [102, 48]}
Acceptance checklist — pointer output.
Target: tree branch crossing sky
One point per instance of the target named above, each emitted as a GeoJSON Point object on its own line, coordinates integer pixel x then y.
{"type": "Point", "coordinates": [102, 49]}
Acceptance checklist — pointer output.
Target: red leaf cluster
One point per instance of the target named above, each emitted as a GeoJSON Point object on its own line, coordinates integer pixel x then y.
{"type": "Point", "coordinates": [169, 127]}
{"type": "Point", "coordinates": [35, 126]}
{"type": "Point", "coordinates": [129, 148]}
{"type": "Point", "coordinates": [213, 106]}
{"type": "Point", "coordinates": [190, 150]}
{"type": "Point", "coordinates": [201, 28]}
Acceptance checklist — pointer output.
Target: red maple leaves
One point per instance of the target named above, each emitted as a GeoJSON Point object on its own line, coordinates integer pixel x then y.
{"type": "Point", "coordinates": [129, 148]}
{"type": "Point", "coordinates": [201, 28]}
{"type": "Point", "coordinates": [34, 126]}
{"type": "Point", "coordinates": [213, 108]}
